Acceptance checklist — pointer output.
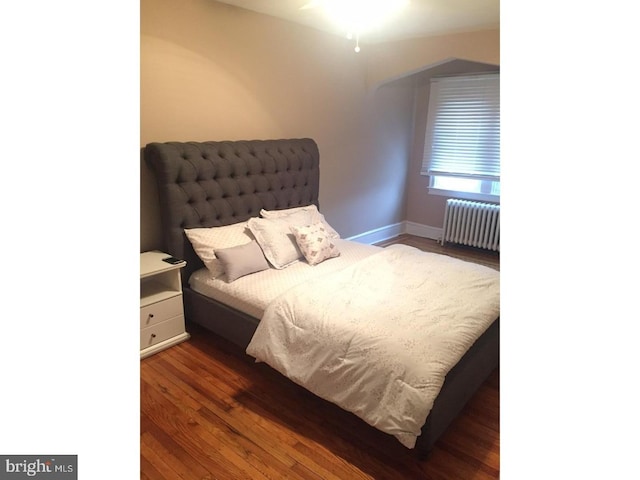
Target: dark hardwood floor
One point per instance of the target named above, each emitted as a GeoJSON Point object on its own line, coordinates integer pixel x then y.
{"type": "Point", "coordinates": [208, 411]}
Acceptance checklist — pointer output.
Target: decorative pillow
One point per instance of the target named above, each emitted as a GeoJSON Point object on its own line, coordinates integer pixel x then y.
{"type": "Point", "coordinates": [242, 260]}
{"type": "Point", "coordinates": [275, 238]}
{"type": "Point", "coordinates": [315, 243]}
{"type": "Point", "coordinates": [316, 216]}
{"type": "Point", "coordinates": [206, 241]}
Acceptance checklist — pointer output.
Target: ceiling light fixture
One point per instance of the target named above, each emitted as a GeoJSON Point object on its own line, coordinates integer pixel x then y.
{"type": "Point", "coordinates": [356, 17]}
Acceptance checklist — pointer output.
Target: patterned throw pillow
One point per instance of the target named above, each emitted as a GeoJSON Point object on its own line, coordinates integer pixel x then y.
{"type": "Point", "coordinates": [314, 243]}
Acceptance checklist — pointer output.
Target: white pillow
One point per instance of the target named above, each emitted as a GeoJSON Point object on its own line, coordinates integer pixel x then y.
{"type": "Point", "coordinates": [242, 260]}
{"type": "Point", "coordinates": [284, 212]}
{"type": "Point", "coordinates": [276, 239]}
{"type": "Point", "coordinates": [206, 241]}
{"type": "Point", "coordinates": [316, 216]}
{"type": "Point", "coordinates": [315, 243]}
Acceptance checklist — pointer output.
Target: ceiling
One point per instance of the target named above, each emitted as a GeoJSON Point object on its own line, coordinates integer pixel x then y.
{"type": "Point", "coordinates": [419, 18]}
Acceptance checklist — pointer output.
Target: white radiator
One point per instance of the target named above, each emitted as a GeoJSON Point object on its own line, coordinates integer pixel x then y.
{"type": "Point", "coordinates": [475, 224]}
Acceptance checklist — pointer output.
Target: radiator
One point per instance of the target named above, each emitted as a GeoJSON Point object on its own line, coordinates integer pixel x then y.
{"type": "Point", "coordinates": [475, 224]}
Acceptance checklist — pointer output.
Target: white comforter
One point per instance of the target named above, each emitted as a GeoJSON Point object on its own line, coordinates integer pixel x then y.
{"type": "Point", "coordinates": [379, 337]}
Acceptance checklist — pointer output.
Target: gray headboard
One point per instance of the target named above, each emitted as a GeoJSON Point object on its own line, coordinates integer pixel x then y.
{"type": "Point", "coordinates": [207, 184]}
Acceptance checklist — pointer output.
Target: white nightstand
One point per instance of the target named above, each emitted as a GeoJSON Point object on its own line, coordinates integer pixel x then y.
{"type": "Point", "coordinates": [161, 309]}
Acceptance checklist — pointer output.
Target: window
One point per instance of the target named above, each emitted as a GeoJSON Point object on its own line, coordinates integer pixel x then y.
{"type": "Point", "coordinates": [462, 141]}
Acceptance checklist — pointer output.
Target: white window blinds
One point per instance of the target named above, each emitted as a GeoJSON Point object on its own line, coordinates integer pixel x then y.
{"type": "Point", "coordinates": [463, 128]}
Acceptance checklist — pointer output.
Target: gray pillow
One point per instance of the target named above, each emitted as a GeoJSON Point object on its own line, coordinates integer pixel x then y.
{"type": "Point", "coordinates": [242, 260]}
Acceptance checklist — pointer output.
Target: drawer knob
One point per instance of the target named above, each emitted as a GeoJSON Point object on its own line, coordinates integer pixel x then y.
{"type": "Point", "coordinates": [153, 335]}
{"type": "Point", "coordinates": [151, 315]}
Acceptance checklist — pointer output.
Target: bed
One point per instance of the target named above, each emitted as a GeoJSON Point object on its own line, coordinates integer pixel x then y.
{"type": "Point", "coordinates": [229, 186]}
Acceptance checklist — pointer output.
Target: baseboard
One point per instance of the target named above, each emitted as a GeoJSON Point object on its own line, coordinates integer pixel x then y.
{"type": "Point", "coordinates": [391, 231]}
{"type": "Point", "coordinates": [380, 234]}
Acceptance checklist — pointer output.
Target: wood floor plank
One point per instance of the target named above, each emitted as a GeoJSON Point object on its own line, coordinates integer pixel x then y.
{"type": "Point", "coordinates": [180, 427]}
{"type": "Point", "coordinates": [208, 411]}
{"type": "Point", "coordinates": [172, 453]}
{"type": "Point", "coordinates": [229, 440]}
{"type": "Point", "coordinates": [149, 468]}
{"type": "Point", "coordinates": [164, 459]}
{"type": "Point", "coordinates": [447, 466]}
{"type": "Point", "coordinates": [236, 416]}
{"type": "Point", "coordinates": [213, 400]}
{"type": "Point", "coordinates": [287, 409]}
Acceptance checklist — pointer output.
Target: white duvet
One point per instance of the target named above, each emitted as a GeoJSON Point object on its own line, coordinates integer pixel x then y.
{"type": "Point", "coordinates": [378, 338]}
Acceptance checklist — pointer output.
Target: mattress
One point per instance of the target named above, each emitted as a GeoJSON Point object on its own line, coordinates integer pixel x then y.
{"type": "Point", "coordinates": [252, 294]}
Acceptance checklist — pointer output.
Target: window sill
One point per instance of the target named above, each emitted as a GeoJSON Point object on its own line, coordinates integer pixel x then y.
{"type": "Point", "coordinates": [485, 197]}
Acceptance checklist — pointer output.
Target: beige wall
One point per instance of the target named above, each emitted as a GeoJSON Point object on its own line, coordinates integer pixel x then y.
{"type": "Point", "coordinates": [210, 71]}
{"type": "Point", "coordinates": [388, 61]}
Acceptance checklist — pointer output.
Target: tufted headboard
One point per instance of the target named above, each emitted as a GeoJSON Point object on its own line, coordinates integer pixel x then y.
{"type": "Point", "coordinates": [207, 184]}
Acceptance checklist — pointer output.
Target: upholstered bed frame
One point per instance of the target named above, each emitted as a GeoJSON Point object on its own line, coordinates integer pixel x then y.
{"type": "Point", "coordinates": [206, 184]}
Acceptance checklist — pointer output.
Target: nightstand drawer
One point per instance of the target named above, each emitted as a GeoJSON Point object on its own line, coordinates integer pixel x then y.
{"type": "Point", "coordinates": [162, 331]}
{"type": "Point", "coordinates": [160, 311]}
